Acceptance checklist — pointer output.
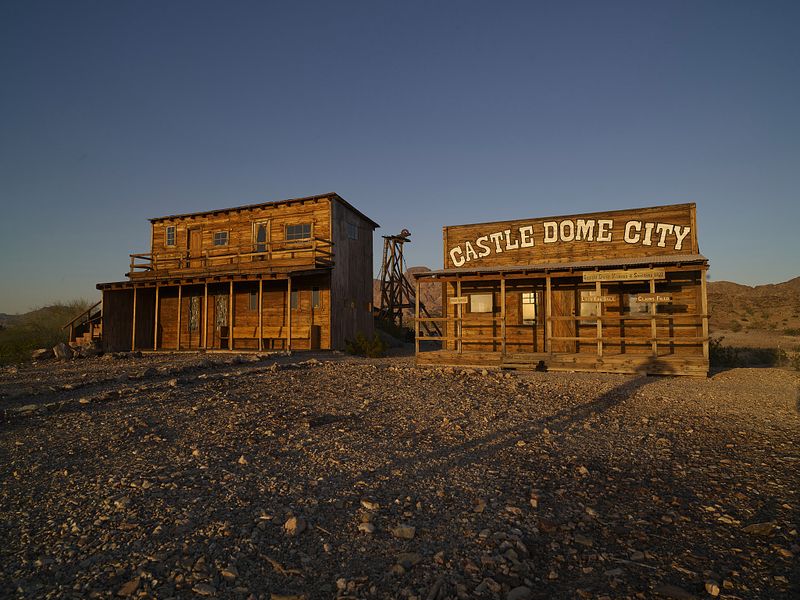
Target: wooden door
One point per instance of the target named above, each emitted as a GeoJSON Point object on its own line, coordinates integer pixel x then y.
{"type": "Point", "coordinates": [194, 242]}
{"type": "Point", "coordinates": [563, 306]}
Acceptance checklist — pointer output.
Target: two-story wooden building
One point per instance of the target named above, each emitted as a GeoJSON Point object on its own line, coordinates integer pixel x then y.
{"type": "Point", "coordinates": [620, 291]}
{"type": "Point", "coordinates": [290, 274]}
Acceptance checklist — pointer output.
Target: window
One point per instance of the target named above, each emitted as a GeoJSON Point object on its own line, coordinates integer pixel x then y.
{"type": "Point", "coordinates": [254, 300]}
{"type": "Point", "coordinates": [220, 238]}
{"type": "Point", "coordinates": [352, 231]}
{"type": "Point", "coordinates": [298, 232]}
{"type": "Point", "coordinates": [589, 309]}
{"type": "Point", "coordinates": [528, 308]}
{"type": "Point", "coordinates": [636, 308]}
{"type": "Point", "coordinates": [480, 303]}
{"type": "Point", "coordinates": [169, 236]}
{"type": "Point", "coordinates": [294, 302]}
{"type": "Point", "coordinates": [315, 297]}
{"type": "Point", "coordinates": [221, 310]}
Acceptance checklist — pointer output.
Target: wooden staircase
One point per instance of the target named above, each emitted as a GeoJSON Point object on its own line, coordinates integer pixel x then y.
{"type": "Point", "coordinates": [87, 328]}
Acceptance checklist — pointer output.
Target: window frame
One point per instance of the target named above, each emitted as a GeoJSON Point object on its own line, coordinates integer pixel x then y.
{"type": "Point", "coordinates": [253, 301]}
{"type": "Point", "coordinates": [524, 297]}
{"type": "Point", "coordinates": [477, 295]}
{"type": "Point", "coordinates": [316, 297]}
{"type": "Point", "coordinates": [294, 237]}
{"type": "Point", "coordinates": [227, 238]}
{"type": "Point", "coordinates": [173, 230]}
{"type": "Point", "coordinates": [352, 231]}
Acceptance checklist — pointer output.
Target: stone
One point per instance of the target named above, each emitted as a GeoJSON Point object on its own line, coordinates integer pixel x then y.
{"type": "Point", "coordinates": [673, 591]}
{"type": "Point", "coordinates": [295, 525]}
{"type": "Point", "coordinates": [520, 592]}
{"type": "Point", "coordinates": [129, 588]}
{"type": "Point", "coordinates": [712, 587]}
{"type": "Point", "coordinates": [242, 460]}
{"type": "Point", "coordinates": [42, 354]}
{"type": "Point", "coordinates": [408, 559]}
{"type": "Point", "coordinates": [583, 540]}
{"type": "Point", "coordinates": [62, 351]}
{"type": "Point", "coordinates": [204, 589]}
{"type": "Point", "coordinates": [366, 527]}
{"type": "Point", "coordinates": [637, 555]}
{"type": "Point", "coordinates": [763, 529]}
{"type": "Point", "coordinates": [404, 532]}
{"type": "Point", "coordinates": [230, 573]}
{"type": "Point", "coordinates": [370, 504]}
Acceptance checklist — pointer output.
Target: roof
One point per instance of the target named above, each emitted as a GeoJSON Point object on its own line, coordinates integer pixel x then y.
{"type": "Point", "coordinates": [331, 195]}
{"type": "Point", "coordinates": [633, 261]}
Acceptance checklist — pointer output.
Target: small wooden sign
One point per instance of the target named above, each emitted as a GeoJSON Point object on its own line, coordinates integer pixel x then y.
{"type": "Point", "coordinates": [595, 299]}
{"type": "Point", "coordinates": [459, 300]}
{"type": "Point", "coordinates": [624, 275]}
{"type": "Point", "coordinates": [655, 298]}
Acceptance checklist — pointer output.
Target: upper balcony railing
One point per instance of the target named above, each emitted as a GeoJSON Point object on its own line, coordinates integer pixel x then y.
{"type": "Point", "coordinates": [308, 253]}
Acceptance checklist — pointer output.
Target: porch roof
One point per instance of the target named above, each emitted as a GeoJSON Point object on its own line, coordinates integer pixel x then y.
{"type": "Point", "coordinates": [209, 278]}
{"type": "Point", "coordinates": [605, 263]}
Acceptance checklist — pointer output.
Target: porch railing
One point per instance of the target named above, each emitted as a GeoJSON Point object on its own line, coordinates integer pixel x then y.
{"type": "Point", "coordinates": [316, 252]}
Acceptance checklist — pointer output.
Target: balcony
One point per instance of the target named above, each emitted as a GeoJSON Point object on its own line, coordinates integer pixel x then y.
{"type": "Point", "coordinates": [283, 256]}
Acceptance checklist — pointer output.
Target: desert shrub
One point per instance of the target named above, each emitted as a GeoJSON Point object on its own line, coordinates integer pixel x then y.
{"type": "Point", "coordinates": [720, 355]}
{"type": "Point", "coordinates": [791, 331]}
{"type": "Point", "coordinates": [403, 334]}
{"type": "Point", "coordinates": [362, 346]}
{"type": "Point", "coordinates": [736, 326]}
{"type": "Point", "coordinates": [39, 328]}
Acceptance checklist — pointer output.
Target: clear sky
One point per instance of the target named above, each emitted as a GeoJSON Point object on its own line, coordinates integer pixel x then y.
{"type": "Point", "coordinates": [421, 114]}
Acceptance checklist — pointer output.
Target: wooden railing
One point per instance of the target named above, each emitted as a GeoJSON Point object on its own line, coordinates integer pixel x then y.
{"type": "Point", "coordinates": [85, 320]}
{"type": "Point", "coordinates": [316, 252]}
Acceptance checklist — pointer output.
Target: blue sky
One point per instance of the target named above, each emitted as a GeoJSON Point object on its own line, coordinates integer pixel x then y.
{"type": "Point", "coordinates": [421, 114]}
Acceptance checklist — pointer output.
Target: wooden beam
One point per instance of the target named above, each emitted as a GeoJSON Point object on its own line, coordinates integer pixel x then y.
{"type": "Point", "coordinates": [178, 336]}
{"type": "Point", "coordinates": [230, 317]}
{"type": "Point", "coordinates": [653, 326]}
{"type": "Point", "coordinates": [133, 322]}
{"type": "Point", "coordinates": [459, 305]}
{"type": "Point", "coordinates": [416, 316]}
{"type": "Point", "coordinates": [548, 312]}
{"type": "Point", "coordinates": [599, 292]}
{"type": "Point", "coordinates": [155, 326]}
{"type": "Point", "coordinates": [260, 315]}
{"type": "Point", "coordinates": [205, 315]}
{"type": "Point", "coordinates": [503, 314]}
{"type": "Point", "coordinates": [289, 313]}
{"type": "Point", "coordinates": [704, 310]}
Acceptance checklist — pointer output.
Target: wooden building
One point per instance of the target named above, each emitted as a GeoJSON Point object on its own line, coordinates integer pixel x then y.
{"type": "Point", "coordinates": [291, 274]}
{"type": "Point", "coordinates": [620, 291]}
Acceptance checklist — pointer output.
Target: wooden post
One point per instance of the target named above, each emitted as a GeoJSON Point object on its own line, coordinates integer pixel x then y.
{"type": "Point", "coordinates": [503, 315]}
{"type": "Point", "coordinates": [599, 292]}
{"type": "Point", "coordinates": [260, 315]}
{"type": "Point", "coordinates": [460, 313]}
{"type": "Point", "coordinates": [416, 314]}
{"type": "Point", "coordinates": [704, 310]}
{"type": "Point", "coordinates": [155, 326]}
{"type": "Point", "coordinates": [205, 315]}
{"type": "Point", "coordinates": [72, 332]}
{"type": "Point", "coordinates": [653, 330]}
{"type": "Point", "coordinates": [289, 313]}
{"type": "Point", "coordinates": [133, 323]}
{"type": "Point", "coordinates": [178, 336]}
{"type": "Point", "coordinates": [548, 312]}
{"type": "Point", "coordinates": [230, 318]}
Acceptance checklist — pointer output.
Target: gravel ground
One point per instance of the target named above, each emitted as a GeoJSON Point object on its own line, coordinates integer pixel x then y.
{"type": "Point", "coordinates": [323, 476]}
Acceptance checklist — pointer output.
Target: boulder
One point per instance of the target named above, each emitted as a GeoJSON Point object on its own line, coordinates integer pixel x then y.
{"type": "Point", "coordinates": [62, 351]}
{"type": "Point", "coordinates": [42, 354]}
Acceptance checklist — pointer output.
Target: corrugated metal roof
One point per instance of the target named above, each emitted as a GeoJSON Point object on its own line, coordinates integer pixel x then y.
{"type": "Point", "coordinates": [331, 195]}
{"type": "Point", "coordinates": [664, 259]}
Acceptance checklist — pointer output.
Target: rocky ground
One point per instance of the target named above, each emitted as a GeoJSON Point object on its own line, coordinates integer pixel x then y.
{"type": "Point", "coordinates": [320, 477]}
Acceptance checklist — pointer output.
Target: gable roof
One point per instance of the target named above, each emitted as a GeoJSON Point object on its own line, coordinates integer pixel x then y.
{"type": "Point", "coordinates": [332, 195]}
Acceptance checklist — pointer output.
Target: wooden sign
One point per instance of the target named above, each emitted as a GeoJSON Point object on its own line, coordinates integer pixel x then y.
{"type": "Point", "coordinates": [624, 275]}
{"type": "Point", "coordinates": [594, 299]}
{"type": "Point", "coordinates": [655, 298]}
{"type": "Point", "coordinates": [459, 300]}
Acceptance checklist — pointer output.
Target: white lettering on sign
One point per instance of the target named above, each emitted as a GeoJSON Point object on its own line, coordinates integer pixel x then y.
{"type": "Point", "coordinates": [624, 275]}
{"type": "Point", "coordinates": [635, 232]}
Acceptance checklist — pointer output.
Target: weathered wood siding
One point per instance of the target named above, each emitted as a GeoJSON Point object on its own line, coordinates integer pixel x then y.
{"type": "Point", "coordinates": [351, 278]}
{"type": "Point", "coordinates": [612, 234]}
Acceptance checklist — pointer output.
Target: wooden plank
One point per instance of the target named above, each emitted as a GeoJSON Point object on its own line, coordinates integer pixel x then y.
{"type": "Point", "coordinates": [653, 329]}
{"type": "Point", "coordinates": [205, 314]}
{"type": "Point", "coordinates": [288, 313]}
{"type": "Point", "coordinates": [180, 310]}
{"type": "Point", "coordinates": [599, 292]}
{"type": "Point", "coordinates": [503, 315]}
{"type": "Point", "coordinates": [230, 317]}
{"type": "Point", "coordinates": [155, 326]}
{"type": "Point", "coordinates": [133, 322]}
{"type": "Point", "coordinates": [260, 314]}
{"type": "Point", "coordinates": [416, 314]}
{"type": "Point", "coordinates": [548, 308]}
{"type": "Point", "coordinates": [704, 310]}
{"type": "Point", "coordinates": [460, 333]}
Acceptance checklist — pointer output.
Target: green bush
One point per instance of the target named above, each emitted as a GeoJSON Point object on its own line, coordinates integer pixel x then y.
{"type": "Point", "coordinates": [362, 346]}
{"type": "Point", "coordinates": [41, 328]}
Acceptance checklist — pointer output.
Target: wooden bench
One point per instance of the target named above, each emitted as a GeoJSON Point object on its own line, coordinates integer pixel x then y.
{"type": "Point", "coordinates": [271, 333]}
